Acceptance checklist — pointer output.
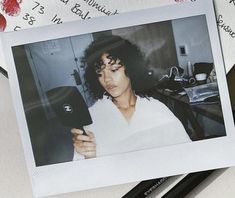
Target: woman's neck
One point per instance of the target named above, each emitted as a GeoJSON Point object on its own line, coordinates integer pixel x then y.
{"type": "Point", "coordinates": [126, 100]}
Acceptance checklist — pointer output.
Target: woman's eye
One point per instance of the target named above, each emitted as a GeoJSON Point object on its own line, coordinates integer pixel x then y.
{"type": "Point", "coordinates": [114, 68]}
{"type": "Point", "coordinates": [99, 75]}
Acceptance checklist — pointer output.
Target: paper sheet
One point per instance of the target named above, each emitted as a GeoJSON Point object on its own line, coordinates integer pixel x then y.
{"type": "Point", "coordinates": [19, 14]}
{"type": "Point", "coordinates": [226, 23]}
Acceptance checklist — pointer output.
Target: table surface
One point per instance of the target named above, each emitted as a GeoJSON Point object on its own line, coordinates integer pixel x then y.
{"type": "Point", "coordinates": [212, 111]}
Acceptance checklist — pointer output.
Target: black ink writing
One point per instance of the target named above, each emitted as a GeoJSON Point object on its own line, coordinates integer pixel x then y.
{"type": "Point", "coordinates": [224, 26]}
{"type": "Point", "coordinates": [29, 18]}
{"type": "Point", "coordinates": [64, 1]}
{"type": "Point", "coordinates": [17, 28]}
{"type": "Point", "coordinates": [78, 11]}
{"type": "Point", "coordinates": [57, 20]}
{"type": "Point", "coordinates": [100, 8]}
{"type": "Point", "coordinates": [39, 7]}
{"type": "Point", "coordinates": [232, 1]}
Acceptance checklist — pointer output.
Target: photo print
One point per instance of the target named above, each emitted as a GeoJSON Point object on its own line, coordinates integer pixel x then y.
{"type": "Point", "coordinates": [104, 94]}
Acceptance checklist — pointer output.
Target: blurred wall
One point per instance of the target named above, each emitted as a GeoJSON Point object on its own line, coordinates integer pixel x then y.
{"type": "Point", "coordinates": [192, 33]}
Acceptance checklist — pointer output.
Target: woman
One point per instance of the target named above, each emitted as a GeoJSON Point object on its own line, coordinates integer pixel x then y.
{"type": "Point", "coordinates": [124, 118]}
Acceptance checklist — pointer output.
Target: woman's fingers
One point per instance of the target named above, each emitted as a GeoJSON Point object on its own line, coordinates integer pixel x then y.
{"type": "Point", "coordinates": [83, 138]}
{"type": "Point", "coordinates": [83, 150]}
{"type": "Point", "coordinates": [84, 147]}
{"type": "Point", "coordinates": [76, 131]}
{"type": "Point", "coordinates": [78, 136]}
{"type": "Point", "coordinates": [84, 144]}
{"type": "Point", "coordinates": [89, 144]}
{"type": "Point", "coordinates": [90, 134]}
{"type": "Point", "coordinates": [90, 155]}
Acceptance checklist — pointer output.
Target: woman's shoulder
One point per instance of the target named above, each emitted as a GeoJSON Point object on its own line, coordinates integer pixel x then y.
{"type": "Point", "coordinates": [155, 106]}
{"type": "Point", "coordinates": [150, 102]}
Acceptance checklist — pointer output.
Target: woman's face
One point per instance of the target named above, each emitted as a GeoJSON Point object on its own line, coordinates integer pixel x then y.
{"type": "Point", "coordinates": [112, 76]}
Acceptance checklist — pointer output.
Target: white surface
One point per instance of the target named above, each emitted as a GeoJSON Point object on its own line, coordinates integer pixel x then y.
{"type": "Point", "coordinates": [219, 184]}
{"type": "Point", "coordinates": [226, 9]}
{"type": "Point", "coordinates": [13, 173]}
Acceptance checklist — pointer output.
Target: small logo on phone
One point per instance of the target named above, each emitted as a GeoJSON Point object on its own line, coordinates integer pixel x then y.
{"type": "Point", "coordinates": [67, 108]}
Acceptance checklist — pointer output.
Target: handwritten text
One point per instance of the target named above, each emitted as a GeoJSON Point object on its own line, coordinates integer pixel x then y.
{"type": "Point", "coordinates": [100, 8]}
{"type": "Point", "coordinates": [224, 26]}
{"type": "Point", "coordinates": [78, 11]}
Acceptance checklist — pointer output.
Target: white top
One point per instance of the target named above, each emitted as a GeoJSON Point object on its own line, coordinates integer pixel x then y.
{"type": "Point", "coordinates": [151, 125]}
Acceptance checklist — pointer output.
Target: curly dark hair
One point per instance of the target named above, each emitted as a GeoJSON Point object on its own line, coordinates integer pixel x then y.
{"type": "Point", "coordinates": [118, 48]}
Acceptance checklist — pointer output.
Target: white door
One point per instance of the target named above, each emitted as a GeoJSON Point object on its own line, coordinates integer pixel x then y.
{"type": "Point", "coordinates": [57, 63]}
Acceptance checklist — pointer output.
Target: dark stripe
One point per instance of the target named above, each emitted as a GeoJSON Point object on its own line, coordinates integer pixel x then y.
{"type": "Point", "coordinates": [3, 71]}
{"type": "Point", "coordinates": [187, 184]}
{"type": "Point", "coordinates": [144, 188]}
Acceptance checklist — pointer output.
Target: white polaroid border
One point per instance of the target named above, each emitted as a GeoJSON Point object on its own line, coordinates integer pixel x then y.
{"type": "Point", "coordinates": [135, 166]}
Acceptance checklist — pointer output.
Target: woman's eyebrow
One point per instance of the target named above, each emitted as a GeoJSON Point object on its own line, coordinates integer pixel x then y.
{"type": "Point", "coordinates": [112, 58]}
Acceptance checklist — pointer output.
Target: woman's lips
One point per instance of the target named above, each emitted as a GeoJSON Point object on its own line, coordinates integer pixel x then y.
{"type": "Point", "coordinates": [110, 87]}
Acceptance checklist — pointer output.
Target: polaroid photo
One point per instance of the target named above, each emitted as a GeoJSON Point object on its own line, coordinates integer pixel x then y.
{"type": "Point", "coordinates": [118, 99]}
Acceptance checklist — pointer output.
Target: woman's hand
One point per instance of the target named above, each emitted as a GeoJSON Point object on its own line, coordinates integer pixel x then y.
{"type": "Point", "coordinates": [84, 144]}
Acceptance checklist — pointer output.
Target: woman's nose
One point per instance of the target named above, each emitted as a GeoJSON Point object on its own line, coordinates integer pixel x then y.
{"type": "Point", "coordinates": [107, 76]}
